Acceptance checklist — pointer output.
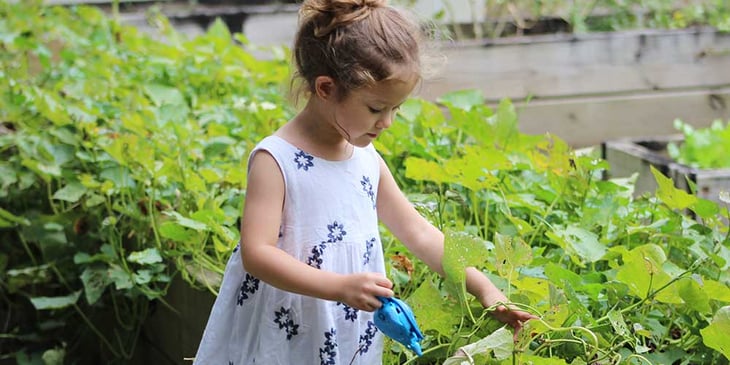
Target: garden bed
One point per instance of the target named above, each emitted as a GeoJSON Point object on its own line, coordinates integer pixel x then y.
{"type": "Point", "coordinates": [637, 155]}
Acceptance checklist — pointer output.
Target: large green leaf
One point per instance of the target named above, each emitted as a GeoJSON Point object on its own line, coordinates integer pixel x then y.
{"type": "Point", "coordinates": [510, 254]}
{"type": "Point", "coordinates": [715, 335]}
{"type": "Point", "coordinates": [642, 272]}
{"type": "Point", "coordinates": [498, 345]}
{"type": "Point", "coordinates": [432, 311]}
{"type": "Point", "coordinates": [582, 245]}
{"type": "Point", "coordinates": [461, 250]}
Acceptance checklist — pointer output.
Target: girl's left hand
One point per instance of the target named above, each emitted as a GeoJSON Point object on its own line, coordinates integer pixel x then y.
{"type": "Point", "coordinates": [513, 317]}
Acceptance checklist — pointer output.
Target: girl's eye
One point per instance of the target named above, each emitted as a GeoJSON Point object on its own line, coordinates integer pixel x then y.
{"type": "Point", "coordinates": [373, 110]}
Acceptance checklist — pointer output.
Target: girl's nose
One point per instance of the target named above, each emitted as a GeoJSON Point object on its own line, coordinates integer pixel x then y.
{"type": "Point", "coordinates": [386, 121]}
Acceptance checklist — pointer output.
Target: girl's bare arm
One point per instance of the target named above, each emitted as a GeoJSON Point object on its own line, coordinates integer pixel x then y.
{"type": "Point", "coordinates": [422, 238]}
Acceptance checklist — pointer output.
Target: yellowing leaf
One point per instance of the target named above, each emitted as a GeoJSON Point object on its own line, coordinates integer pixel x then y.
{"type": "Point", "coordinates": [669, 194]}
{"type": "Point", "coordinates": [420, 169]}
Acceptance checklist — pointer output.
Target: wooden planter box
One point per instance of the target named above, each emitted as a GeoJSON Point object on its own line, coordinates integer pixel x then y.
{"type": "Point", "coordinates": [171, 336]}
{"type": "Point", "coordinates": [636, 155]}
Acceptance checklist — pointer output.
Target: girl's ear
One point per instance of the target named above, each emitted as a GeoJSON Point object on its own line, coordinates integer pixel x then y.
{"type": "Point", "coordinates": [325, 87]}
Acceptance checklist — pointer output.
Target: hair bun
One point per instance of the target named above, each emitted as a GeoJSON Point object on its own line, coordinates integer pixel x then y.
{"type": "Point", "coordinates": [330, 14]}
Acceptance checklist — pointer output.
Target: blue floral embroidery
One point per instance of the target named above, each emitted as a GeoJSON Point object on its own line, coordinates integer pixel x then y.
{"type": "Point", "coordinates": [366, 340]}
{"type": "Point", "coordinates": [303, 160]}
{"type": "Point", "coordinates": [285, 322]}
{"type": "Point", "coordinates": [350, 312]}
{"type": "Point", "coordinates": [315, 260]}
{"type": "Point", "coordinates": [367, 187]}
{"type": "Point", "coordinates": [249, 286]}
{"type": "Point", "coordinates": [328, 353]}
{"type": "Point", "coordinates": [337, 231]}
{"type": "Point", "coordinates": [368, 251]}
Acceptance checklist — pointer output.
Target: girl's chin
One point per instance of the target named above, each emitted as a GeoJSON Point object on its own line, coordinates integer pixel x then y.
{"type": "Point", "coordinates": [361, 144]}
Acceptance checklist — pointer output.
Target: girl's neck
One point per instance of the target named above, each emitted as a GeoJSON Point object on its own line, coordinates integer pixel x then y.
{"type": "Point", "coordinates": [311, 131]}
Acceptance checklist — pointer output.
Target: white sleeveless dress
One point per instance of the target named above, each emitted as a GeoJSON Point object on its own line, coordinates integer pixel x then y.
{"type": "Point", "coordinates": [329, 222]}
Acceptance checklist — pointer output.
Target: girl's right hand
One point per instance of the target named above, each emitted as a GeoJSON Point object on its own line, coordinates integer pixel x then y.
{"type": "Point", "coordinates": [361, 290]}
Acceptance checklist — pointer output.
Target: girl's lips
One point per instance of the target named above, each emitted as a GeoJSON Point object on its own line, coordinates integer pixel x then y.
{"type": "Point", "coordinates": [373, 135]}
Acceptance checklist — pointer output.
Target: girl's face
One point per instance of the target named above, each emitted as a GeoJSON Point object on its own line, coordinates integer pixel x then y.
{"type": "Point", "coordinates": [368, 111]}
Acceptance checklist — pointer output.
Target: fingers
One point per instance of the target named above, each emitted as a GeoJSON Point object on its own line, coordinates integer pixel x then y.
{"type": "Point", "coordinates": [361, 290]}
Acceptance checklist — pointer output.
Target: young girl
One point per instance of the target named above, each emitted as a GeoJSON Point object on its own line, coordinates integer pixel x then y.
{"type": "Point", "coordinates": [304, 285]}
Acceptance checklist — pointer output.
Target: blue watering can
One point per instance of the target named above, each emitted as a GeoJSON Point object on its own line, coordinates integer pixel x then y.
{"type": "Point", "coordinates": [395, 319]}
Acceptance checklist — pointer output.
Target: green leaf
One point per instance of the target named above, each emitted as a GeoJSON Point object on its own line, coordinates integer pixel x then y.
{"type": "Point", "coordinates": [95, 280]}
{"type": "Point", "coordinates": [8, 219]}
{"type": "Point", "coordinates": [146, 257]}
{"type": "Point", "coordinates": [71, 193]}
{"type": "Point", "coordinates": [498, 345]}
{"type": "Point", "coordinates": [142, 277]}
{"type": "Point", "coordinates": [432, 311]}
{"type": "Point", "coordinates": [187, 222]}
{"type": "Point", "coordinates": [46, 303]}
{"type": "Point", "coordinates": [420, 169]}
{"type": "Point", "coordinates": [642, 272]}
{"type": "Point", "coordinates": [165, 95]}
{"type": "Point", "coordinates": [578, 242]}
{"type": "Point", "coordinates": [120, 176]}
{"type": "Point", "coordinates": [715, 335]}
{"type": "Point", "coordinates": [54, 356]}
{"type": "Point", "coordinates": [510, 254]}
{"type": "Point", "coordinates": [716, 290]}
{"type": "Point", "coordinates": [175, 232]}
{"type": "Point", "coordinates": [695, 296]}
{"type": "Point", "coordinates": [462, 99]}
{"type": "Point", "coordinates": [461, 250]}
{"type": "Point", "coordinates": [671, 196]}
{"type": "Point", "coordinates": [122, 279]}
{"type": "Point", "coordinates": [219, 30]}
{"type": "Point", "coordinates": [619, 324]}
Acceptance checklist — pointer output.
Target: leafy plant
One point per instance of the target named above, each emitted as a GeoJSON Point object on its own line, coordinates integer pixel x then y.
{"type": "Point", "coordinates": [612, 278]}
{"type": "Point", "coordinates": [707, 148]}
{"type": "Point", "coordinates": [123, 168]}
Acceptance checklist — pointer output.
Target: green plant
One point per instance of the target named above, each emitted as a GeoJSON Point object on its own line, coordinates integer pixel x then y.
{"type": "Point", "coordinates": [124, 166]}
{"type": "Point", "coordinates": [613, 278]}
{"type": "Point", "coordinates": [707, 148]}
{"type": "Point", "coordinates": [123, 161]}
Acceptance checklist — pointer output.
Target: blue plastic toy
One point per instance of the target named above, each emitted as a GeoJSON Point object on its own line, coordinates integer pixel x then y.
{"type": "Point", "coordinates": [395, 319]}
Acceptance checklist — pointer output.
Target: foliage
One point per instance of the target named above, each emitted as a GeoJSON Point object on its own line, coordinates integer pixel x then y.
{"type": "Point", "coordinates": [124, 167]}
{"type": "Point", "coordinates": [123, 164]}
{"type": "Point", "coordinates": [613, 278]}
{"type": "Point", "coordinates": [706, 148]}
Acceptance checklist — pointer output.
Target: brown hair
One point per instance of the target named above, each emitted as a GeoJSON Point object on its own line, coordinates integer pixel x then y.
{"type": "Point", "coordinates": [356, 42]}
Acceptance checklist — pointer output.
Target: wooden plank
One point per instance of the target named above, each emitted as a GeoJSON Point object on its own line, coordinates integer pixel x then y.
{"type": "Point", "coordinates": [97, 2]}
{"type": "Point", "coordinates": [587, 121]}
{"type": "Point", "coordinates": [594, 64]}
